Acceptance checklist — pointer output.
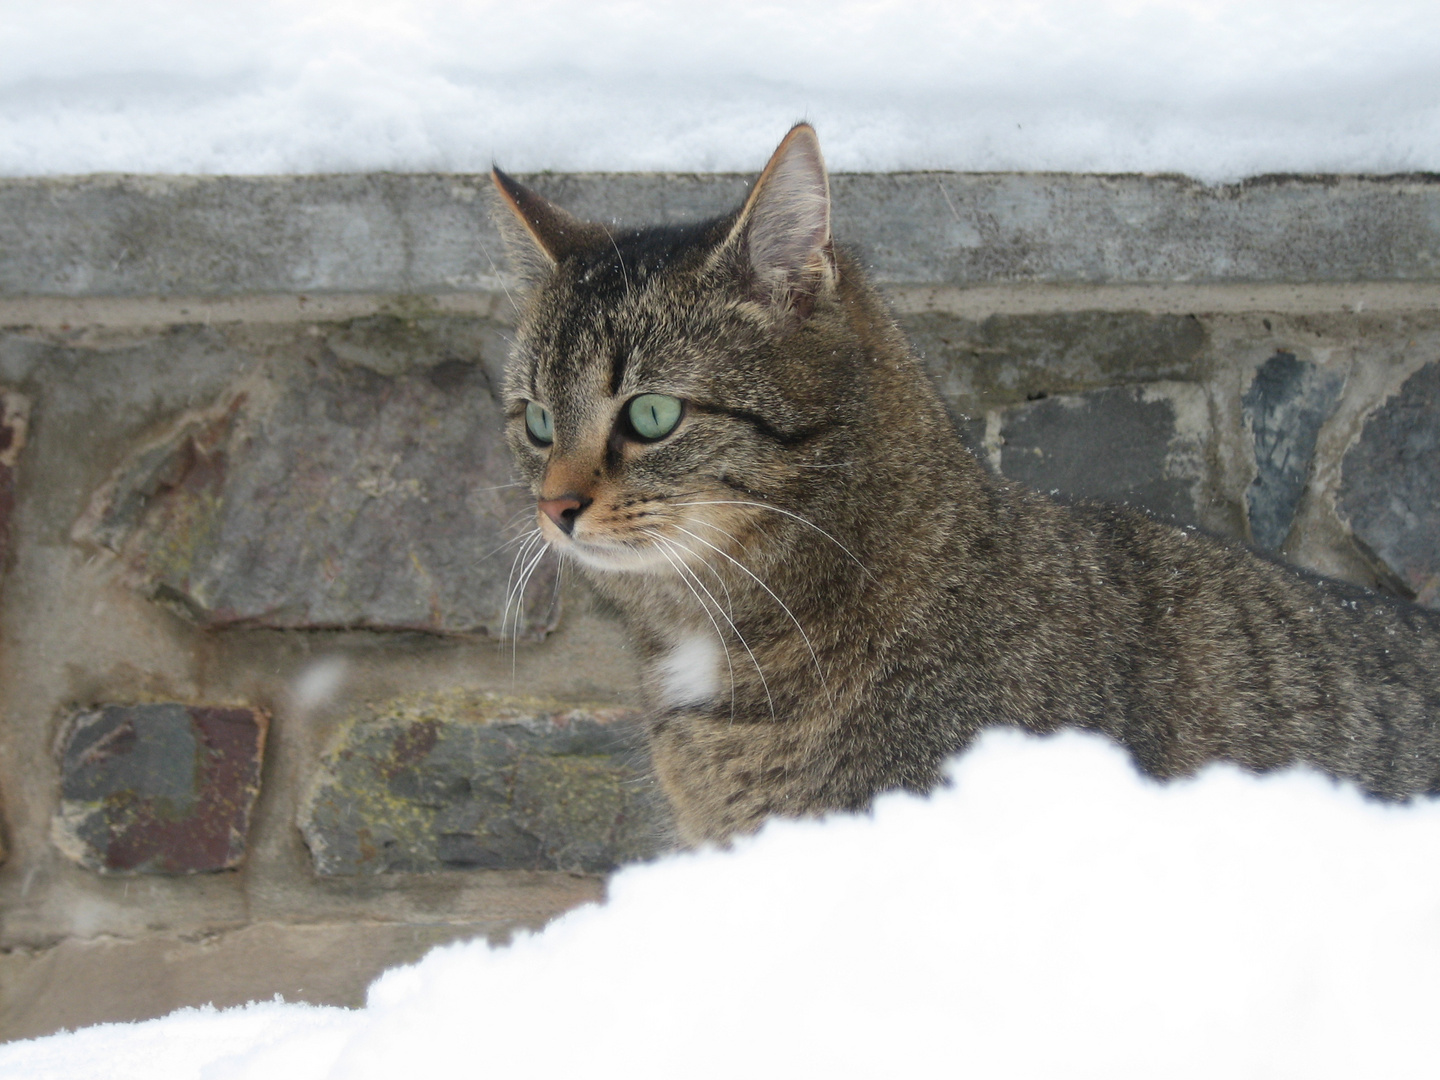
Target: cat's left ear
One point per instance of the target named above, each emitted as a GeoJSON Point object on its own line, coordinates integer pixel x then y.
{"type": "Point", "coordinates": [781, 239]}
{"type": "Point", "coordinates": [539, 233]}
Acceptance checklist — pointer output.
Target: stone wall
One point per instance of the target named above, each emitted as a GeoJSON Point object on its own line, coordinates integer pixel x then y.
{"type": "Point", "coordinates": [285, 696]}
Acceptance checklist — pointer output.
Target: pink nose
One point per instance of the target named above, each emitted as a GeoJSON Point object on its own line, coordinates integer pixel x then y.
{"type": "Point", "coordinates": [564, 510]}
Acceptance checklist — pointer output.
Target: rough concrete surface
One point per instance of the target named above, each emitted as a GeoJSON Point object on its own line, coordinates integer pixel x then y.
{"type": "Point", "coordinates": [261, 467]}
{"type": "Point", "coordinates": [423, 233]}
{"type": "Point", "coordinates": [324, 964]}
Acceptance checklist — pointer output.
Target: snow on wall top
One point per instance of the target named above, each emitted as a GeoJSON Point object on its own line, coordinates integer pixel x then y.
{"type": "Point", "coordinates": [1218, 89]}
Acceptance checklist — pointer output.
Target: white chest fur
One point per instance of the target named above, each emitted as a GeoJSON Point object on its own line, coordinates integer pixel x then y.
{"type": "Point", "coordinates": [687, 674]}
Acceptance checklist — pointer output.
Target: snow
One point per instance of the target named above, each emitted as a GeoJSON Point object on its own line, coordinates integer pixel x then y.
{"type": "Point", "coordinates": [1217, 89]}
{"type": "Point", "coordinates": [1052, 913]}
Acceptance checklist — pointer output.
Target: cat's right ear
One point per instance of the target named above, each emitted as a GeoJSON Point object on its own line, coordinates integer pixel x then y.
{"type": "Point", "coordinates": [780, 242]}
{"type": "Point", "coordinates": [538, 233]}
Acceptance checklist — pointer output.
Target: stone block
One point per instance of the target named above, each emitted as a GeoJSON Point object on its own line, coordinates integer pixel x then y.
{"type": "Point", "coordinates": [1286, 406]}
{"type": "Point", "coordinates": [159, 788]}
{"type": "Point", "coordinates": [483, 782]}
{"type": "Point", "coordinates": [14, 417]}
{"type": "Point", "coordinates": [1390, 485]}
{"type": "Point", "coordinates": [1002, 359]}
{"type": "Point", "coordinates": [14, 414]}
{"type": "Point", "coordinates": [350, 495]}
{"type": "Point", "coordinates": [1145, 446]}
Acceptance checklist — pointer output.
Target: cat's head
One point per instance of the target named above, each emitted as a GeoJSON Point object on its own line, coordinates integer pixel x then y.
{"type": "Point", "coordinates": [670, 384]}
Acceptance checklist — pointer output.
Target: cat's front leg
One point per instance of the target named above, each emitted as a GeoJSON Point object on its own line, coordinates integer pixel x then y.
{"type": "Point", "coordinates": [724, 777]}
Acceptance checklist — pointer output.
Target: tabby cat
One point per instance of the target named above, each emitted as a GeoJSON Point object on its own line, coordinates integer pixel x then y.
{"type": "Point", "coordinates": [830, 595]}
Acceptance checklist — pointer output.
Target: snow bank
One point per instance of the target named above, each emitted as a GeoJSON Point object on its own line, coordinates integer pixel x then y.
{"type": "Point", "coordinates": [1051, 914]}
{"type": "Point", "coordinates": [1214, 88]}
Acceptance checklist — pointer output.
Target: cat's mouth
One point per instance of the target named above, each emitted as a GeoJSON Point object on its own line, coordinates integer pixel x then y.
{"type": "Point", "coordinates": [643, 557]}
{"type": "Point", "coordinates": [647, 551]}
{"type": "Point", "coordinates": [643, 536]}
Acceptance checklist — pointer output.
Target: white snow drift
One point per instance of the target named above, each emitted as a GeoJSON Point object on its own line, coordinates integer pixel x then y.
{"type": "Point", "coordinates": [1050, 914]}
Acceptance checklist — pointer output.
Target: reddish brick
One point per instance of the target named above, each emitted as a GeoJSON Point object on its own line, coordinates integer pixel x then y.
{"type": "Point", "coordinates": [159, 789]}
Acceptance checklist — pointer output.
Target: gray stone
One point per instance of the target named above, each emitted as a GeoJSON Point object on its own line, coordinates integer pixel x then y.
{"type": "Point", "coordinates": [1142, 446]}
{"type": "Point", "coordinates": [483, 782]}
{"type": "Point", "coordinates": [14, 414]}
{"type": "Point", "coordinates": [160, 789]}
{"type": "Point", "coordinates": [1286, 406]}
{"type": "Point", "coordinates": [14, 418]}
{"type": "Point", "coordinates": [1003, 359]}
{"type": "Point", "coordinates": [1390, 485]}
{"type": "Point", "coordinates": [350, 495]}
{"type": "Point", "coordinates": [419, 233]}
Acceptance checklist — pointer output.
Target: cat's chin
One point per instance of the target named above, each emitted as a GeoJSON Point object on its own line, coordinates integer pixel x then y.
{"type": "Point", "coordinates": [597, 555]}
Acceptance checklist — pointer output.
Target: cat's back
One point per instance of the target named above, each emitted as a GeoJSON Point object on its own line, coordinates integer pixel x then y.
{"type": "Point", "coordinates": [1189, 649]}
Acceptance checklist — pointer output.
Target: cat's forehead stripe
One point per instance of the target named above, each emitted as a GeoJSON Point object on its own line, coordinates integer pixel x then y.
{"type": "Point", "coordinates": [594, 342]}
{"type": "Point", "coordinates": [610, 307]}
{"type": "Point", "coordinates": [567, 364]}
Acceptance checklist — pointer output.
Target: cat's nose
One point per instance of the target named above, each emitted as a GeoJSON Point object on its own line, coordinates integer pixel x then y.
{"type": "Point", "coordinates": [564, 510]}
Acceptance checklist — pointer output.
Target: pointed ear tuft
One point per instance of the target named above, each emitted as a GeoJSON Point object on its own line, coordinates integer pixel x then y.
{"type": "Point", "coordinates": [783, 232]}
{"type": "Point", "coordinates": [536, 226]}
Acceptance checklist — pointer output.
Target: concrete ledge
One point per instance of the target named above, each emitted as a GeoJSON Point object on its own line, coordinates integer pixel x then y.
{"type": "Point", "coordinates": [62, 313]}
{"type": "Point", "coordinates": [128, 980]}
{"type": "Point", "coordinates": [431, 233]}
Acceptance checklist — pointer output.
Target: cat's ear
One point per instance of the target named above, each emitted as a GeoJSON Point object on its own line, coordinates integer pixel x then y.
{"type": "Point", "coordinates": [781, 240]}
{"type": "Point", "coordinates": [538, 233]}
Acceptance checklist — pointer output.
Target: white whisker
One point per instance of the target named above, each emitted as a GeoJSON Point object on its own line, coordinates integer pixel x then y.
{"type": "Point", "coordinates": [663, 542]}
{"type": "Point", "coordinates": [555, 593]}
{"type": "Point", "coordinates": [723, 532]}
{"type": "Point", "coordinates": [719, 634]}
{"type": "Point", "coordinates": [824, 682]}
{"type": "Point", "coordinates": [520, 559]}
{"type": "Point", "coordinates": [729, 600]}
{"type": "Point", "coordinates": [500, 278]}
{"type": "Point", "coordinates": [787, 513]}
{"type": "Point", "coordinates": [527, 540]}
{"type": "Point", "coordinates": [621, 259]}
{"type": "Point", "coordinates": [519, 518]}
{"type": "Point", "coordinates": [508, 543]}
{"type": "Point", "coordinates": [525, 576]}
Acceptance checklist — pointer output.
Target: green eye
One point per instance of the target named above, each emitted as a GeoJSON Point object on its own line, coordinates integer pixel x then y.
{"type": "Point", "coordinates": [538, 420]}
{"type": "Point", "coordinates": [653, 416]}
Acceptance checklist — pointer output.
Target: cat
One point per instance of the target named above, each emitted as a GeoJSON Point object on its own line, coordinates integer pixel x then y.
{"type": "Point", "coordinates": [830, 595]}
